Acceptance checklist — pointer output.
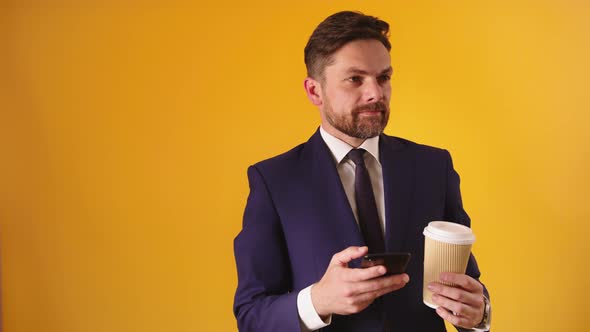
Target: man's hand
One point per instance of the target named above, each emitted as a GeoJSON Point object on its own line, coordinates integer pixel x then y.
{"type": "Point", "coordinates": [462, 305]}
{"type": "Point", "coordinates": [343, 290]}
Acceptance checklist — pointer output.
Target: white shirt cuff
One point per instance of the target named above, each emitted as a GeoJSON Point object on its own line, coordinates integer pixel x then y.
{"type": "Point", "coordinates": [310, 320]}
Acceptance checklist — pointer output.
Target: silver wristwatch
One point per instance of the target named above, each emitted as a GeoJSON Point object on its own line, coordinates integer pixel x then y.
{"type": "Point", "coordinates": [485, 323]}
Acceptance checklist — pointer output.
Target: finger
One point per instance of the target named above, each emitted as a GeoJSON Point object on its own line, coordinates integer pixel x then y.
{"type": "Point", "coordinates": [462, 280]}
{"type": "Point", "coordinates": [395, 281]}
{"type": "Point", "coordinates": [455, 320]}
{"type": "Point", "coordinates": [356, 275]}
{"type": "Point", "coordinates": [348, 254]}
{"type": "Point", "coordinates": [458, 308]}
{"type": "Point", "coordinates": [455, 293]}
{"type": "Point", "coordinates": [378, 292]}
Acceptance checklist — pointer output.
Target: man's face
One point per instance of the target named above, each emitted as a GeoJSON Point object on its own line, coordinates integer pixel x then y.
{"type": "Point", "coordinates": [356, 89]}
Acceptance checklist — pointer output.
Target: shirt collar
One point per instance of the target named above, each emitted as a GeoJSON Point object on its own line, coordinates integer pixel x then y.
{"type": "Point", "coordinates": [340, 148]}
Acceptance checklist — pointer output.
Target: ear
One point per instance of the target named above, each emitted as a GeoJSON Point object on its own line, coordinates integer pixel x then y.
{"type": "Point", "coordinates": [313, 90]}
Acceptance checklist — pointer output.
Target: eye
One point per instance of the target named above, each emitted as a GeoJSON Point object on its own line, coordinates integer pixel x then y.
{"type": "Point", "coordinates": [384, 78]}
{"type": "Point", "coordinates": [355, 79]}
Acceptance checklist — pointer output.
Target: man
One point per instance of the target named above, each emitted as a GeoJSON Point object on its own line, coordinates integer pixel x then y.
{"type": "Point", "coordinates": [313, 211]}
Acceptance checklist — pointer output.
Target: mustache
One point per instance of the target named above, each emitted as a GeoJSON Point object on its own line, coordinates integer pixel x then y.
{"type": "Point", "coordinates": [378, 106]}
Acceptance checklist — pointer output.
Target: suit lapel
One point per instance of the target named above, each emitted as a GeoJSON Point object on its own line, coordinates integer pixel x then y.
{"type": "Point", "coordinates": [326, 186]}
{"type": "Point", "coordinates": [398, 188]}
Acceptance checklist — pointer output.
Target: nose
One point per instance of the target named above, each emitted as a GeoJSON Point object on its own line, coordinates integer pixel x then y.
{"type": "Point", "coordinates": [373, 91]}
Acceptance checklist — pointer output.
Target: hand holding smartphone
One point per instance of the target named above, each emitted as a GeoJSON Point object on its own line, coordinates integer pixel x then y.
{"type": "Point", "coordinates": [395, 262]}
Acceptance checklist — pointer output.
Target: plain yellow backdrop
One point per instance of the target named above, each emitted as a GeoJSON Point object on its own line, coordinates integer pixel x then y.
{"type": "Point", "coordinates": [126, 129]}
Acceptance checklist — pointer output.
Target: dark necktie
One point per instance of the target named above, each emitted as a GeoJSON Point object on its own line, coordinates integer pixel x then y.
{"type": "Point", "coordinates": [365, 204]}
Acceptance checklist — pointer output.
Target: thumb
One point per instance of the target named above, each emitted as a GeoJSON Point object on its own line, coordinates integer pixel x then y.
{"type": "Point", "coordinates": [345, 256]}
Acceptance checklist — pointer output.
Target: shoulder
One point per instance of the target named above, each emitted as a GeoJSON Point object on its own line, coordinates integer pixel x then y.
{"type": "Point", "coordinates": [288, 167]}
{"type": "Point", "coordinates": [300, 157]}
{"type": "Point", "coordinates": [284, 160]}
{"type": "Point", "coordinates": [418, 150]}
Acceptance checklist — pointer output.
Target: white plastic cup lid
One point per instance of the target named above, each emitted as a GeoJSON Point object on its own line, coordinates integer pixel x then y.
{"type": "Point", "coordinates": [449, 232]}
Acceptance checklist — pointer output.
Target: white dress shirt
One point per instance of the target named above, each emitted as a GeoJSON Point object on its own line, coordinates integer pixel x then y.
{"type": "Point", "coordinates": [310, 320]}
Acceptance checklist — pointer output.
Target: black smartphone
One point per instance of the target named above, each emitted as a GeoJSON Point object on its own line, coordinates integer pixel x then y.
{"type": "Point", "coordinates": [394, 262]}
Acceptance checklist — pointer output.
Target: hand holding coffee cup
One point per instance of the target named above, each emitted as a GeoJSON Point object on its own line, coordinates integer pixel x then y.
{"type": "Point", "coordinates": [457, 297]}
{"type": "Point", "coordinates": [461, 305]}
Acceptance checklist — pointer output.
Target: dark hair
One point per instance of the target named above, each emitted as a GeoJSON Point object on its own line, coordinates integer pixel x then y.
{"type": "Point", "coordinates": [337, 30]}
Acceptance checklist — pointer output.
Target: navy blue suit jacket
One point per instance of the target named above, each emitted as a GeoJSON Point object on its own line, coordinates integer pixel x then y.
{"type": "Point", "coordinates": [298, 216]}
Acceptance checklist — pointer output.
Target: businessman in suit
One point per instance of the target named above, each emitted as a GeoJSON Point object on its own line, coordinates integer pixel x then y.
{"type": "Point", "coordinates": [315, 210]}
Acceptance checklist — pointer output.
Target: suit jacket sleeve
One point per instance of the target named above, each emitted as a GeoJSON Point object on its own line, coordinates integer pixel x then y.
{"type": "Point", "coordinates": [454, 212]}
{"type": "Point", "coordinates": [264, 300]}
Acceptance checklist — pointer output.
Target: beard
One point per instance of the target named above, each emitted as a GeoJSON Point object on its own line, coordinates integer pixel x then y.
{"type": "Point", "coordinates": [354, 124]}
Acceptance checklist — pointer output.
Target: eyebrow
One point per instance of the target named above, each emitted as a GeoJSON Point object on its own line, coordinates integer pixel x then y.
{"type": "Point", "coordinates": [354, 70]}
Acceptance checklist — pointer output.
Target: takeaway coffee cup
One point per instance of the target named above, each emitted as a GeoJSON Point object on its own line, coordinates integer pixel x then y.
{"type": "Point", "coordinates": [447, 247]}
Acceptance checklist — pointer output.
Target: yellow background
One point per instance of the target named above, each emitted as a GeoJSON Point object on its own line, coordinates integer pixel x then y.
{"type": "Point", "coordinates": [126, 129]}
